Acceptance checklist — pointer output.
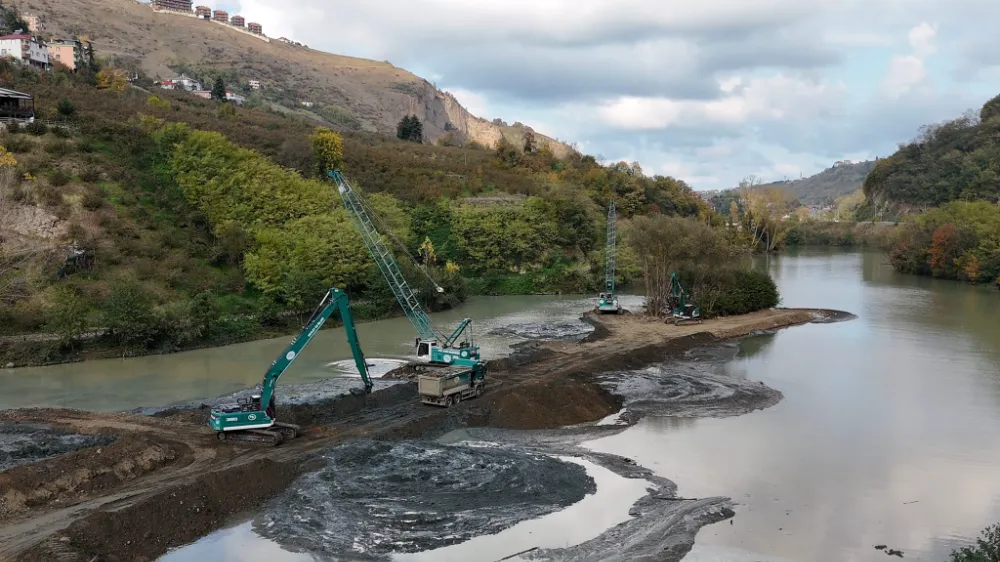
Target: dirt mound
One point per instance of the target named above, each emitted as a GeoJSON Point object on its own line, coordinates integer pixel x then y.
{"type": "Point", "coordinates": [145, 530]}
{"type": "Point", "coordinates": [72, 477]}
{"type": "Point", "coordinates": [549, 404]}
{"type": "Point", "coordinates": [423, 496]}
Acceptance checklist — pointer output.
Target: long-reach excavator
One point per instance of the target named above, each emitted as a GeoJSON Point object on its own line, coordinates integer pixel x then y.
{"type": "Point", "coordinates": [608, 303]}
{"type": "Point", "coordinates": [249, 419]}
{"type": "Point", "coordinates": [433, 346]}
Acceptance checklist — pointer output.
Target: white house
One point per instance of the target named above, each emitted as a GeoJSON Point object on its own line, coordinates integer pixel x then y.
{"type": "Point", "coordinates": [235, 98]}
{"type": "Point", "coordinates": [185, 82]}
{"type": "Point", "coordinates": [25, 49]}
{"type": "Point", "coordinates": [254, 84]}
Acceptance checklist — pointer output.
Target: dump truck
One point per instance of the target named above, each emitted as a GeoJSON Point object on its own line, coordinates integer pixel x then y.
{"type": "Point", "coordinates": [446, 386]}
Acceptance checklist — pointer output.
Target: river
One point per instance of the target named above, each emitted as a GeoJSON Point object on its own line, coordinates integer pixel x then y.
{"type": "Point", "coordinates": [160, 380]}
{"type": "Point", "coordinates": [888, 434]}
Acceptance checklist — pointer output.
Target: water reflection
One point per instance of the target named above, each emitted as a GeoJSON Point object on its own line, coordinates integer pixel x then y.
{"type": "Point", "coordinates": [887, 433]}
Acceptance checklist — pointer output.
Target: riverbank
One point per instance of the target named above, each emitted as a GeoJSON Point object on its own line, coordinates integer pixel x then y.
{"type": "Point", "coordinates": [172, 482]}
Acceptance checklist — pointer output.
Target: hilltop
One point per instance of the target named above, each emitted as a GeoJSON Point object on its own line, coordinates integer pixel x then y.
{"type": "Point", "coordinates": [839, 180]}
{"type": "Point", "coordinates": [347, 93]}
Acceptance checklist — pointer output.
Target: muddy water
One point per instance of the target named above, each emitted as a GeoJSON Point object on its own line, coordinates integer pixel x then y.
{"type": "Point", "coordinates": [888, 434]}
{"type": "Point", "coordinates": [121, 384]}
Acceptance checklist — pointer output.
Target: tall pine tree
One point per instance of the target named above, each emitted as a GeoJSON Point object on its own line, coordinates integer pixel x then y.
{"type": "Point", "coordinates": [219, 90]}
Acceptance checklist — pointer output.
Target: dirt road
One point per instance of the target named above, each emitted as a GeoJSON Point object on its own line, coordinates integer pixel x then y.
{"type": "Point", "coordinates": [165, 480]}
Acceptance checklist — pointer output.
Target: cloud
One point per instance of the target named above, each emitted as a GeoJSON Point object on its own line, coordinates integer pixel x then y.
{"type": "Point", "coordinates": [793, 83]}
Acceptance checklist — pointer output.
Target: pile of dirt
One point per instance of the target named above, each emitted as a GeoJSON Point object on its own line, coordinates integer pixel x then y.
{"type": "Point", "coordinates": [72, 477]}
{"type": "Point", "coordinates": [143, 531]}
{"type": "Point", "coordinates": [549, 404]}
{"type": "Point", "coordinates": [422, 495]}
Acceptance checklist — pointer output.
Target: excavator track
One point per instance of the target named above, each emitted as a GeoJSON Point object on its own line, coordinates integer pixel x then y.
{"type": "Point", "coordinates": [256, 436]}
{"type": "Point", "coordinates": [288, 430]}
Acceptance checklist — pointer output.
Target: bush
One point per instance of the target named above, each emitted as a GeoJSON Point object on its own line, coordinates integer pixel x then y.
{"type": "Point", "coordinates": [18, 143]}
{"type": "Point", "coordinates": [66, 108]}
{"type": "Point", "coordinates": [59, 178]}
{"type": "Point", "coordinates": [37, 128]}
{"type": "Point", "coordinates": [58, 147]}
{"type": "Point", "coordinates": [747, 291]}
{"type": "Point", "coordinates": [128, 316]}
{"type": "Point", "coordinates": [93, 200]}
{"type": "Point", "coordinates": [90, 174]}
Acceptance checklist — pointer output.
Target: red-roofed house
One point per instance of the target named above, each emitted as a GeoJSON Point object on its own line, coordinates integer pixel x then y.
{"type": "Point", "coordinates": [25, 49]}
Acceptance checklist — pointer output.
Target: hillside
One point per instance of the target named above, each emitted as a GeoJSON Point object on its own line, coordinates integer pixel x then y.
{"type": "Point", "coordinates": [829, 185]}
{"type": "Point", "coordinates": [350, 94]}
{"type": "Point", "coordinates": [955, 160]}
{"type": "Point", "coordinates": [204, 223]}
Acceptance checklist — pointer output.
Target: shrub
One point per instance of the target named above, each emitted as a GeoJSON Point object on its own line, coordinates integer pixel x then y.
{"type": "Point", "coordinates": [18, 143]}
{"type": "Point", "coordinates": [37, 128]}
{"type": "Point", "coordinates": [66, 108]}
{"type": "Point", "coordinates": [58, 147]}
{"type": "Point", "coordinates": [93, 200]}
{"type": "Point", "coordinates": [59, 178]}
{"type": "Point", "coordinates": [128, 316]}
{"type": "Point", "coordinates": [90, 174]}
{"type": "Point", "coordinates": [747, 291]}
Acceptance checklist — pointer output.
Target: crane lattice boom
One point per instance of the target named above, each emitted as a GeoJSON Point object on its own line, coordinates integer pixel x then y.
{"type": "Point", "coordinates": [384, 260]}
{"type": "Point", "coordinates": [609, 267]}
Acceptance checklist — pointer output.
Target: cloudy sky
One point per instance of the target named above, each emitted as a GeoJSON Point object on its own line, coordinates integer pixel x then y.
{"type": "Point", "coordinates": [708, 91]}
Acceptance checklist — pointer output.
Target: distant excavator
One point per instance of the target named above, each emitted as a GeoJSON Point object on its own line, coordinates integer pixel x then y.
{"type": "Point", "coordinates": [682, 312]}
{"type": "Point", "coordinates": [249, 419]}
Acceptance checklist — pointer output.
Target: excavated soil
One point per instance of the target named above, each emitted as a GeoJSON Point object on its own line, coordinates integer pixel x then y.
{"type": "Point", "coordinates": [166, 481]}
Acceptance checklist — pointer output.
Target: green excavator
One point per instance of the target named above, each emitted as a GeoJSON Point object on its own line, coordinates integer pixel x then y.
{"type": "Point", "coordinates": [253, 419]}
{"type": "Point", "coordinates": [682, 312]}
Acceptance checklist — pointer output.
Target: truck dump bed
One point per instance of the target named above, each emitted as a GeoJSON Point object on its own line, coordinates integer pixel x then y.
{"type": "Point", "coordinates": [439, 382]}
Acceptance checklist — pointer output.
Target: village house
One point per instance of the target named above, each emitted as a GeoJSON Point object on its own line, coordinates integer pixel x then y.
{"type": "Point", "coordinates": [254, 84]}
{"type": "Point", "coordinates": [69, 52]}
{"type": "Point", "coordinates": [182, 82]}
{"type": "Point", "coordinates": [25, 49]}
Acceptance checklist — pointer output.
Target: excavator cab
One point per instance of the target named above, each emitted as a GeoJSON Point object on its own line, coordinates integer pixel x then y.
{"type": "Point", "coordinates": [424, 349]}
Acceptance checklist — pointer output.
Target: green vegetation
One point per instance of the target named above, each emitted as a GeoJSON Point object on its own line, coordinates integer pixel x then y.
{"type": "Point", "coordinates": [711, 266]}
{"type": "Point", "coordinates": [843, 234]}
{"type": "Point", "coordinates": [986, 549]}
{"type": "Point", "coordinates": [948, 184]}
{"type": "Point", "coordinates": [198, 228]}
{"type": "Point", "coordinates": [410, 129]}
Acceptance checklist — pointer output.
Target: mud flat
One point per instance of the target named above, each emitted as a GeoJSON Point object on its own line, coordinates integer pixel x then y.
{"type": "Point", "coordinates": [165, 481]}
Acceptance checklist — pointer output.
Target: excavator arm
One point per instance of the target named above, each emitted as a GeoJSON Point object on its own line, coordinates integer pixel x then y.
{"type": "Point", "coordinates": [457, 333]}
{"type": "Point", "coordinates": [335, 299]}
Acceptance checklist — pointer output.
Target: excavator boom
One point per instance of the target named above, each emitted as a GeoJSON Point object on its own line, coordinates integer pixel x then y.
{"type": "Point", "coordinates": [254, 418]}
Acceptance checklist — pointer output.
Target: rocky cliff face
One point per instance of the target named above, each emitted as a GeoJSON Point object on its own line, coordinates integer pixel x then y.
{"type": "Point", "coordinates": [349, 93]}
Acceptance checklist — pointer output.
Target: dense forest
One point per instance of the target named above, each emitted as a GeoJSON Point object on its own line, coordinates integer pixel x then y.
{"type": "Point", "coordinates": [197, 222]}
{"type": "Point", "coordinates": [948, 182]}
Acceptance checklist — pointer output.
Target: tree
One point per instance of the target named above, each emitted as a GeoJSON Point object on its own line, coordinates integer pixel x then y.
{"type": "Point", "coordinates": [92, 58]}
{"type": "Point", "coordinates": [427, 251]}
{"type": "Point", "coordinates": [66, 108]}
{"type": "Point", "coordinates": [219, 89]}
{"type": "Point", "coordinates": [944, 250]}
{"type": "Point", "coordinates": [410, 129]}
{"type": "Point", "coordinates": [327, 149]}
{"type": "Point", "coordinates": [113, 79]}
{"type": "Point", "coordinates": [128, 316]}
{"type": "Point", "coordinates": [66, 315]}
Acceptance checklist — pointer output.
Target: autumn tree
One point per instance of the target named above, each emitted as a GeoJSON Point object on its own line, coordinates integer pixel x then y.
{"type": "Point", "coordinates": [112, 79]}
{"type": "Point", "coordinates": [944, 250]}
{"type": "Point", "coordinates": [327, 149]}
